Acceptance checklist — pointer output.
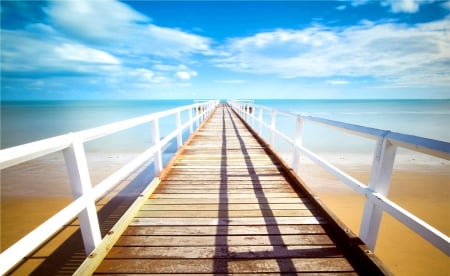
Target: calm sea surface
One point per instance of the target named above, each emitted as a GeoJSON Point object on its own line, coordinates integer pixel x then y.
{"type": "Point", "coordinates": [426, 118]}
{"type": "Point", "coordinates": [23, 122]}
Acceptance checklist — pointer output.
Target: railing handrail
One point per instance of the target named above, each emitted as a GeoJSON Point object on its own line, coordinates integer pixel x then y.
{"type": "Point", "coordinates": [382, 166]}
{"type": "Point", "coordinates": [85, 195]}
{"type": "Point", "coordinates": [428, 146]}
{"type": "Point", "coordinates": [19, 154]}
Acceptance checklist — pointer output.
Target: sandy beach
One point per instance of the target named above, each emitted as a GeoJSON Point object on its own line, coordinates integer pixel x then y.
{"type": "Point", "coordinates": [418, 185]}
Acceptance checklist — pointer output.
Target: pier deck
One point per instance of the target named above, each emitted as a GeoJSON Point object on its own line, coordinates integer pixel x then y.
{"type": "Point", "coordinates": [229, 205]}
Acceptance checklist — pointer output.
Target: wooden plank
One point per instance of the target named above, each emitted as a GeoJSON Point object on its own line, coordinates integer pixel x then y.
{"type": "Point", "coordinates": [229, 230]}
{"type": "Point", "coordinates": [213, 240]}
{"type": "Point", "coordinates": [213, 214]}
{"type": "Point", "coordinates": [238, 190]}
{"type": "Point", "coordinates": [226, 221]}
{"type": "Point", "coordinates": [230, 177]}
{"type": "Point", "coordinates": [224, 251]}
{"type": "Point", "coordinates": [229, 200]}
{"type": "Point", "coordinates": [232, 184]}
{"type": "Point", "coordinates": [230, 207]}
{"type": "Point", "coordinates": [227, 196]}
{"type": "Point", "coordinates": [198, 266]}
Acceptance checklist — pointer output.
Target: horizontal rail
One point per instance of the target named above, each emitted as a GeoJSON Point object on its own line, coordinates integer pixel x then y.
{"type": "Point", "coordinates": [382, 166]}
{"type": "Point", "coordinates": [85, 195]}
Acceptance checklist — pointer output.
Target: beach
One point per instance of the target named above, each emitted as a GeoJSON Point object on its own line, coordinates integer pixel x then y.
{"type": "Point", "coordinates": [419, 185]}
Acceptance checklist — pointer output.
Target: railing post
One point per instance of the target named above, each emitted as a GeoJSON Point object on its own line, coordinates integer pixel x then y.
{"type": "Point", "coordinates": [380, 177]}
{"type": "Point", "coordinates": [245, 109]}
{"type": "Point", "coordinates": [260, 119]}
{"type": "Point", "coordinates": [80, 183]}
{"type": "Point", "coordinates": [180, 132]}
{"type": "Point", "coordinates": [157, 156]}
{"type": "Point", "coordinates": [272, 127]}
{"type": "Point", "coordinates": [253, 115]}
{"type": "Point", "coordinates": [191, 125]}
{"type": "Point", "coordinates": [197, 111]}
{"type": "Point", "coordinates": [203, 113]}
{"type": "Point", "coordinates": [297, 143]}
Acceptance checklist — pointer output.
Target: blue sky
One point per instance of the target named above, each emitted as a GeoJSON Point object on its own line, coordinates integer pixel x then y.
{"type": "Point", "coordinates": [105, 49]}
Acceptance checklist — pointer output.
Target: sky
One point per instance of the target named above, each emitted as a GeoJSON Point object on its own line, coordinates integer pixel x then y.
{"type": "Point", "coordinates": [107, 49]}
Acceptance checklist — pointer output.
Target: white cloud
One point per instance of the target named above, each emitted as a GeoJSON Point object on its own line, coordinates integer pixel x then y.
{"type": "Point", "coordinates": [31, 54]}
{"type": "Point", "coordinates": [399, 54]}
{"type": "Point", "coordinates": [116, 27]}
{"type": "Point", "coordinates": [143, 75]}
{"type": "Point", "coordinates": [76, 52]}
{"type": "Point", "coordinates": [186, 75]}
{"type": "Point", "coordinates": [93, 20]}
{"type": "Point", "coordinates": [397, 6]}
{"type": "Point", "coordinates": [341, 7]}
{"type": "Point", "coordinates": [102, 38]}
{"type": "Point", "coordinates": [446, 5]}
{"type": "Point", "coordinates": [406, 6]}
{"type": "Point", "coordinates": [337, 82]}
{"type": "Point", "coordinates": [163, 41]}
{"type": "Point", "coordinates": [230, 81]}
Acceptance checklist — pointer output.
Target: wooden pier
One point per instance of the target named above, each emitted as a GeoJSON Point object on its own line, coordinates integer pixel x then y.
{"type": "Point", "coordinates": [227, 204]}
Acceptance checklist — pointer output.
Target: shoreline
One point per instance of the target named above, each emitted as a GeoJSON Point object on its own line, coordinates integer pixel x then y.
{"type": "Point", "coordinates": [419, 184]}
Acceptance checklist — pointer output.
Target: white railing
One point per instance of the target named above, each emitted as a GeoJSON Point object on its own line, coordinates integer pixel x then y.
{"type": "Point", "coordinates": [83, 206]}
{"type": "Point", "coordinates": [381, 171]}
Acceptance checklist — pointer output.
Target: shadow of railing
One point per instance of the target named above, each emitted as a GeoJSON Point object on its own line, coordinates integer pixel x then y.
{"type": "Point", "coordinates": [274, 233]}
{"type": "Point", "coordinates": [66, 259]}
{"type": "Point", "coordinates": [221, 240]}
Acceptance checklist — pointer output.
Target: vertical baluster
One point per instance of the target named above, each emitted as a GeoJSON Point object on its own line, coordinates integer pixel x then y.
{"type": "Point", "coordinates": [80, 183]}
{"type": "Point", "coordinates": [380, 177]}
{"type": "Point", "coordinates": [157, 156]}
{"type": "Point", "coordinates": [272, 127]}
{"type": "Point", "coordinates": [191, 124]}
{"type": "Point", "coordinates": [260, 120]}
{"type": "Point", "coordinates": [253, 115]}
{"type": "Point", "coordinates": [179, 130]}
{"type": "Point", "coordinates": [297, 143]}
{"type": "Point", "coordinates": [197, 114]}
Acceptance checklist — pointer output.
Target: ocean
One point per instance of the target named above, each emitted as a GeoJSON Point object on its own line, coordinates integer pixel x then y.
{"type": "Point", "coordinates": [28, 121]}
{"type": "Point", "coordinates": [425, 118]}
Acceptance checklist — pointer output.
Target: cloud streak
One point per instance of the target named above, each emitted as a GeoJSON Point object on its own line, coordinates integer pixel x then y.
{"type": "Point", "coordinates": [397, 6]}
{"type": "Point", "coordinates": [106, 40]}
{"type": "Point", "coordinates": [393, 53]}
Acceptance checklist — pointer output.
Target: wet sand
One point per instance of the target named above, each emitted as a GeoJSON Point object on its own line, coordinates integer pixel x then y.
{"type": "Point", "coordinates": [418, 185]}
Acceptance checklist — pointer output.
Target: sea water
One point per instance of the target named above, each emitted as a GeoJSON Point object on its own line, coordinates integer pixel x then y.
{"type": "Point", "coordinates": [28, 121]}
{"type": "Point", "coordinates": [425, 118]}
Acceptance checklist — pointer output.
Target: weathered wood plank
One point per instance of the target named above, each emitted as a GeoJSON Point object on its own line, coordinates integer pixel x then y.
{"type": "Point", "coordinates": [229, 177]}
{"type": "Point", "coordinates": [219, 190]}
{"type": "Point", "coordinates": [213, 214]}
{"type": "Point", "coordinates": [227, 196]}
{"type": "Point", "coordinates": [217, 200]}
{"type": "Point", "coordinates": [231, 184]}
{"type": "Point", "coordinates": [230, 207]}
{"type": "Point", "coordinates": [198, 266]}
{"type": "Point", "coordinates": [226, 221]}
{"type": "Point", "coordinates": [224, 251]}
{"type": "Point", "coordinates": [187, 230]}
{"type": "Point", "coordinates": [213, 240]}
